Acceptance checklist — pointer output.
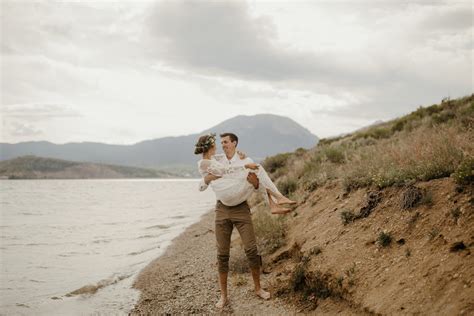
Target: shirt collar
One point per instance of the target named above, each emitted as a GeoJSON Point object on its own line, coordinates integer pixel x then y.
{"type": "Point", "coordinates": [234, 158]}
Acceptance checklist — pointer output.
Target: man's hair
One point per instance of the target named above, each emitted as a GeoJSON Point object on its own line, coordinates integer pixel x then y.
{"type": "Point", "coordinates": [232, 137]}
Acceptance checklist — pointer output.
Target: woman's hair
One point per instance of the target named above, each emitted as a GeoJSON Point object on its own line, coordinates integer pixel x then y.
{"type": "Point", "coordinates": [204, 143]}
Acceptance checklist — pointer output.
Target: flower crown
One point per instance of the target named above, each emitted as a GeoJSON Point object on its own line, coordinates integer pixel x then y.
{"type": "Point", "coordinates": [211, 139]}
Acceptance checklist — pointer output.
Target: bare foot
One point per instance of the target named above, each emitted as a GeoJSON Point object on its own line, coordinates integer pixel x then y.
{"type": "Point", "coordinates": [285, 200]}
{"type": "Point", "coordinates": [222, 302]}
{"type": "Point", "coordinates": [280, 210]}
{"type": "Point", "coordinates": [263, 294]}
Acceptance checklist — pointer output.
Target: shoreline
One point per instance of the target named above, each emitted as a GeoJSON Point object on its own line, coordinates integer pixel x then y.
{"type": "Point", "coordinates": [184, 278]}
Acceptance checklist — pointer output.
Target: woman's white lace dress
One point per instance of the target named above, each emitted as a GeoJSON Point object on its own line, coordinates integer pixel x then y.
{"type": "Point", "coordinates": [233, 188]}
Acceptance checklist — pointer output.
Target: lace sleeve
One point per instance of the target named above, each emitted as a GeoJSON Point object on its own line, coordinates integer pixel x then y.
{"type": "Point", "coordinates": [217, 169]}
{"type": "Point", "coordinates": [203, 165]}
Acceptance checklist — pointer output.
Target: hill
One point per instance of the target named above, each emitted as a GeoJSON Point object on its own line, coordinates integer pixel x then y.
{"type": "Point", "coordinates": [259, 136]}
{"type": "Point", "coordinates": [384, 222]}
{"type": "Point", "coordinates": [32, 167]}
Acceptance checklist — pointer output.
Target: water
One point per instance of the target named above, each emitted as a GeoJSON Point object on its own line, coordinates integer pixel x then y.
{"type": "Point", "coordinates": [58, 236]}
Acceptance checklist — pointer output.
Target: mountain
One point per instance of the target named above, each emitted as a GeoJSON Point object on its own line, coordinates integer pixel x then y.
{"type": "Point", "coordinates": [259, 136]}
{"type": "Point", "coordinates": [32, 167]}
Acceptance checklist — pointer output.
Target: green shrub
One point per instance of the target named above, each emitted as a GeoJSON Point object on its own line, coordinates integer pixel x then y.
{"type": "Point", "coordinates": [310, 185]}
{"type": "Point", "coordinates": [464, 173]}
{"type": "Point", "coordinates": [334, 155]}
{"type": "Point", "coordinates": [298, 276]}
{"type": "Point", "coordinates": [269, 230]}
{"type": "Point", "coordinates": [271, 164]}
{"type": "Point", "coordinates": [399, 125]}
{"type": "Point", "coordinates": [435, 108]}
{"type": "Point", "coordinates": [443, 117]}
{"type": "Point", "coordinates": [384, 239]}
{"type": "Point", "coordinates": [313, 283]}
{"type": "Point", "coordinates": [300, 152]}
{"type": "Point", "coordinates": [328, 141]}
{"type": "Point", "coordinates": [287, 186]}
{"type": "Point", "coordinates": [347, 217]}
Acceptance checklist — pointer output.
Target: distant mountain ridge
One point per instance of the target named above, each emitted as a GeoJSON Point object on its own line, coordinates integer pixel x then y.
{"type": "Point", "coordinates": [32, 167]}
{"type": "Point", "coordinates": [260, 136]}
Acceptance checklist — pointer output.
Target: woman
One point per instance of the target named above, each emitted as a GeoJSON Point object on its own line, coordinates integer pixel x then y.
{"type": "Point", "coordinates": [232, 186]}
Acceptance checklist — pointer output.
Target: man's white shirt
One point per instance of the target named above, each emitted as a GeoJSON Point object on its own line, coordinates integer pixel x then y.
{"type": "Point", "coordinates": [235, 161]}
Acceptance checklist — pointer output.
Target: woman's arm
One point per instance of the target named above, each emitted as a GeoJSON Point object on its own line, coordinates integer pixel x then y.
{"type": "Point", "coordinates": [217, 169]}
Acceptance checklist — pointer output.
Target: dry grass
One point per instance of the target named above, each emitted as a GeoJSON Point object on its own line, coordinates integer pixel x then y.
{"type": "Point", "coordinates": [424, 154]}
{"type": "Point", "coordinates": [269, 230]}
{"type": "Point", "coordinates": [429, 143]}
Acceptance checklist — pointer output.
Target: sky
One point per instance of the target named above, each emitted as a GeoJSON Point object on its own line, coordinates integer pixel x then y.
{"type": "Point", "coordinates": [121, 72]}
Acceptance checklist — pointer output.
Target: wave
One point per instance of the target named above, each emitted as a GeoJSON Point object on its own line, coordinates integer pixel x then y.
{"type": "Point", "coordinates": [142, 251]}
{"type": "Point", "coordinates": [158, 226]}
{"type": "Point", "coordinates": [37, 244]}
{"type": "Point", "coordinates": [93, 288]}
{"type": "Point", "coordinates": [148, 236]}
{"type": "Point", "coordinates": [178, 217]}
{"type": "Point", "coordinates": [101, 241]}
{"type": "Point", "coordinates": [37, 281]}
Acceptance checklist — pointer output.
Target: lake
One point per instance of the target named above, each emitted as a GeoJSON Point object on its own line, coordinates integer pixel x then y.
{"type": "Point", "coordinates": [59, 236]}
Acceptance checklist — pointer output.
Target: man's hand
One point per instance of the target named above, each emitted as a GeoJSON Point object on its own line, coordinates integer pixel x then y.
{"type": "Point", "coordinates": [241, 154]}
{"type": "Point", "coordinates": [252, 166]}
{"type": "Point", "coordinates": [253, 180]}
{"type": "Point", "coordinates": [209, 178]}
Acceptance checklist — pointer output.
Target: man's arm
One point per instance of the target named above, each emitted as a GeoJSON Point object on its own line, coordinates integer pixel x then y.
{"type": "Point", "coordinates": [252, 177]}
{"type": "Point", "coordinates": [253, 180]}
{"type": "Point", "coordinates": [204, 183]}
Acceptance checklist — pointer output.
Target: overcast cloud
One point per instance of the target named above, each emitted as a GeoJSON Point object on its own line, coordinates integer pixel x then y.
{"type": "Point", "coordinates": [122, 72]}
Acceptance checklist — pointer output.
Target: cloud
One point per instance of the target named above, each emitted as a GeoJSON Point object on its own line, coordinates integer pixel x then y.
{"type": "Point", "coordinates": [408, 54]}
{"type": "Point", "coordinates": [222, 38]}
{"type": "Point", "coordinates": [37, 112]}
{"type": "Point", "coordinates": [19, 129]}
{"type": "Point", "coordinates": [454, 18]}
{"type": "Point", "coordinates": [347, 62]}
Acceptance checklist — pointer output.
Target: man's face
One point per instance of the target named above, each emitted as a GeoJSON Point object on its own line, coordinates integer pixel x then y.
{"type": "Point", "coordinates": [228, 146]}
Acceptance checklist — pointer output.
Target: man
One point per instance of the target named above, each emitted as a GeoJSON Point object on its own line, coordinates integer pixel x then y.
{"type": "Point", "coordinates": [239, 216]}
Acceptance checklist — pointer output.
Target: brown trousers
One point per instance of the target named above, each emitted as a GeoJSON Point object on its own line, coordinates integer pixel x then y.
{"type": "Point", "coordinates": [226, 218]}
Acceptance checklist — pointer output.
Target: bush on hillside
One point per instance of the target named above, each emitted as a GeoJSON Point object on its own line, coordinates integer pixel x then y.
{"type": "Point", "coordinates": [273, 163]}
{"type": "Point", "coordinates": [287, 186]}
{"type": "Point", "coordinates": [269, 230]}
{"type": "Point", "coordinates": [464, 174]}
{"type": "Point", "coordinates": [335, 155]}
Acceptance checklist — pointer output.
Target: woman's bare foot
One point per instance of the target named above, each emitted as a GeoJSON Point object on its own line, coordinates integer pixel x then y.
{"type": "Point", "coordinates": [285, 200]}
{"type": "Point", "coordinates": [280, 210]}
{"type": "Point", "coordinates": [222, 302]}
{"type": "Point", "coordinates": [263, 294]}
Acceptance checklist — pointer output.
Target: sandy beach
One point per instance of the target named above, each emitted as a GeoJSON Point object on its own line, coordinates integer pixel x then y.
{"type": "Point", "coordinates": [184, 278]}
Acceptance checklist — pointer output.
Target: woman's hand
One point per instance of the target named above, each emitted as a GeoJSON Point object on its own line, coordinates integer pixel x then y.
{"type": "Point", "coordinates": [252, 166]}
{"type": "Point", "coordinates": [241, 154]}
